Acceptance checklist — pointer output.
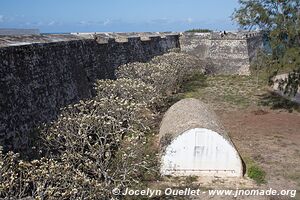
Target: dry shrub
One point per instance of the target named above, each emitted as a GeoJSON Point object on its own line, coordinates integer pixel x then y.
{"type": "Point", "coordinates": [133, 90]}
{"type": "Point", "coordinates": [103, 138]}
{"type": "Point", "coordinates": [165, 73]}
{"type": "Point", "coordinates": [94, 146]}
{"type": "Point", "coordinates": [93, 120]}
{"type": "Point", "coordinates": [48, 179]}
{"type": "Point", "coordinates": [99, 144]}
{"type": "Point", "coordinates": [185, 65]}
{"type": "Point", "coordinates": [10, 186]}
{"type": "Point", "coordinates": [158, 75]}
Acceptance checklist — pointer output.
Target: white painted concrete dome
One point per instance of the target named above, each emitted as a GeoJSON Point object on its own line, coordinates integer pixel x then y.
{"type": "Point", "coordinates": [193, 142]}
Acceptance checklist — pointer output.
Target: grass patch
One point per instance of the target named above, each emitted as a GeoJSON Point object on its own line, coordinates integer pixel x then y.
{"type": "Point", "coordinates": [196, 82]}
{"type": "Point", "coordinates": [222, 91]}
{"type": "Point", "coordinates": [255, 172]}
{"type": "Point", "coordinates": [232, 91]}
{"type": "Point", "coordinates": [236, 100]}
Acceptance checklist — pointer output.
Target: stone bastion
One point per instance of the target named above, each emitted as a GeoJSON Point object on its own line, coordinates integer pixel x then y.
{"type": "Point", "coordinates": [39, 74]}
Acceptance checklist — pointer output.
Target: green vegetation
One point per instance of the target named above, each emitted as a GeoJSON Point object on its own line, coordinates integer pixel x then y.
{"type": "Point", "coordinates": [257, 174]}
{"type": "Point", "coordinates": [280, 22]}
{"type": "Point", "coordinates": [224, 91]}
{"type": "Point", "coordinates": [232, 91]}
{"type": "Point", "coordinates": [254, 171]}
{"type": "Point", "coordinates": [197, 81]}
{"type": "Point", "coordinates": [199, 31]}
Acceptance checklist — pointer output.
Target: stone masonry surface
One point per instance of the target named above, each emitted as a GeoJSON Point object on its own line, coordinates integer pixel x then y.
{"type": "Point", "coordinates": [229, 53]}
{"type": "Point", "coordinates": [41, 74]}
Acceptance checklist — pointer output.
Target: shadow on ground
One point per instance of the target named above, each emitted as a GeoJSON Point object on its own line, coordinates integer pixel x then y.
{"type": "Point", "coordinates": [197, 81]}
{"type": "Point", "coordinates": [275, 101]}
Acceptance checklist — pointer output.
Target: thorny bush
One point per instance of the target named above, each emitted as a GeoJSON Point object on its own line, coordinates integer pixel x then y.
{"type": "Point", "coordinates": [101, 143]}
{"type": "Point", "coordinates": [165, 73]}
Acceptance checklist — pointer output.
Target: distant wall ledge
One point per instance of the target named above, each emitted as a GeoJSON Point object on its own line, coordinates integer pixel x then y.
{"type": "Point", "coordinates": [101, 38]}
{"type": "Point", "coordinates": [21, 40]}
{"type": "Point", "coordinates": [225, 35]}
{"type": "Point", "coordinates": [194, 143]}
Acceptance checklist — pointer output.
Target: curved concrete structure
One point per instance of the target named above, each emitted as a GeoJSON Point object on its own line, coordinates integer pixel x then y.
{"type": "Point", "coordinates": [194, 142]}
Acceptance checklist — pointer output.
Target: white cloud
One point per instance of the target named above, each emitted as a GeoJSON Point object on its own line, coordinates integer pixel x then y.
{"type": "Point", "coordinates": [51, 23]}
{"type": "Point", "coordinates": [40, 23]}
{"type": "Point", "coordinates": [159, 21]}
{"type": "Point", "coordinates": [106, 22]}
{"type": "Point", "coordinates": [90, 23]}
{"type": "Point", "coordinates": [84, 22]}
{"type": "Point", "coordinates": [6, 18]}
{"type": "Point", "coordinates": [189, 20]}
{"type": "Point", "coordinates": [1, 18]}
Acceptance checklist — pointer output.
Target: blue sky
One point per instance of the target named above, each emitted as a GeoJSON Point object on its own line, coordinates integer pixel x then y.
{"type": "Point", "coordinates": [117, 15]}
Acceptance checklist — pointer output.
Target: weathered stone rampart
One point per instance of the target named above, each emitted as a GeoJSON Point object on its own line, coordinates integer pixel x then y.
{"type": "Point", "coordinates": [41, 74]}
{"type": "Point", "coordinates": [229, 53]}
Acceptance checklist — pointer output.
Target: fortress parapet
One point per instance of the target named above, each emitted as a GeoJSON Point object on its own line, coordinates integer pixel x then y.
{"type": "Point", "coordinates": [229, 52]}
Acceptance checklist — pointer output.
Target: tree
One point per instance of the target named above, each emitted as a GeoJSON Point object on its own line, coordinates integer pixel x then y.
{"type": "Point", "coordinates": [280, 21]}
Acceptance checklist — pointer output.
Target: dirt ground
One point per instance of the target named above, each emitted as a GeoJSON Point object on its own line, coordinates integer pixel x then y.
{"type": "Point", "coordinates": [272, 139]}
{"type": "Point", "coordinates": [264, 127]}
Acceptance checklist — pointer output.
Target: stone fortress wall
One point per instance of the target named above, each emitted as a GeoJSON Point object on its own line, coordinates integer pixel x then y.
{"type": "Point", "coordinates": [39, 74]}
{"type": "Point", "coordinates": [229, 53]}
